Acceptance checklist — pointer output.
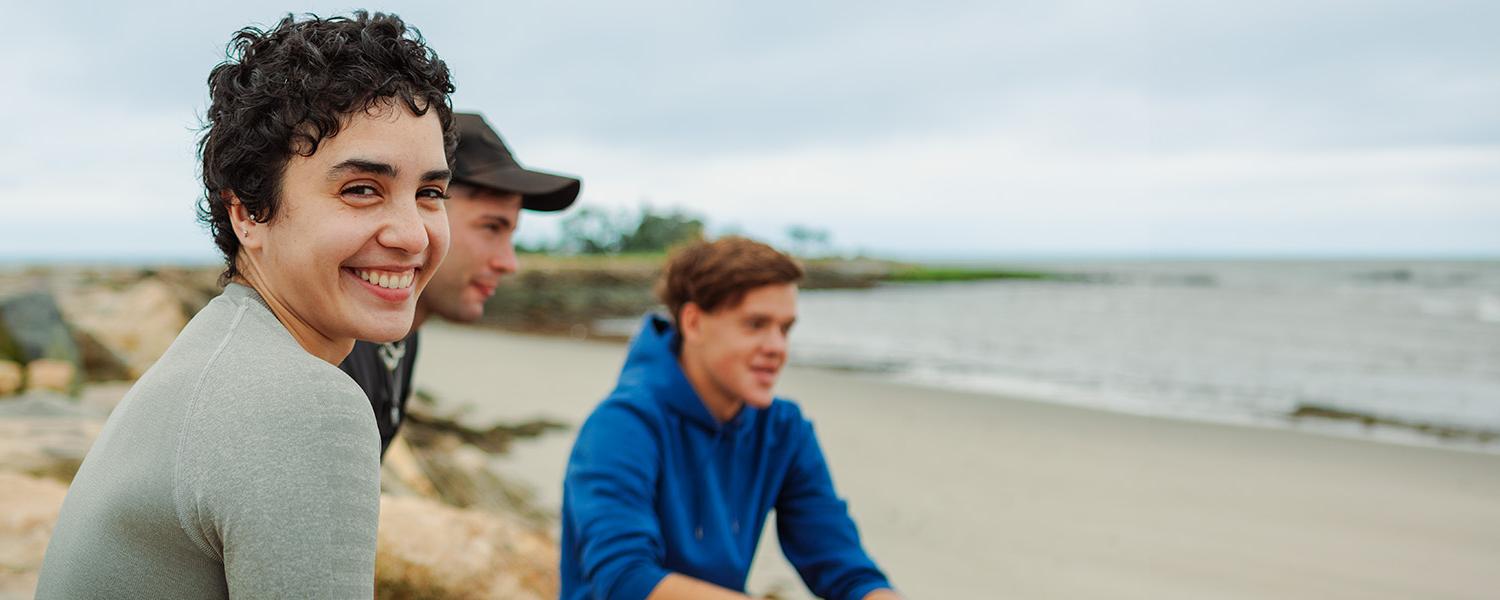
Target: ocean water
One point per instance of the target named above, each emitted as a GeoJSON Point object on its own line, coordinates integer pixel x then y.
{"type": "Point", "coordinates": [1412, 345]}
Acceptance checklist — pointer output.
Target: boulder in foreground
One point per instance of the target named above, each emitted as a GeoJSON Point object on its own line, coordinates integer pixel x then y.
{"type": "Point", "coordinates": [429, 550]}
{"type": "Point", "coordinates": [31, 507]}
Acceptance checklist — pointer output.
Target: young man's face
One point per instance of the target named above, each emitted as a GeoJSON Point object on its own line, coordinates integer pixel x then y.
{"type": "Point", "coordinates": [482, 222]}
{"type": "Point", "coordinates": [742, 348]}
{"type": "Point", "coordinates": [360, 228]}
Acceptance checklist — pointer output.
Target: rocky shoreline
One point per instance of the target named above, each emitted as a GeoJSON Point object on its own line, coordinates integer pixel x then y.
{"type": "Point", "coordinates": [573, 295]}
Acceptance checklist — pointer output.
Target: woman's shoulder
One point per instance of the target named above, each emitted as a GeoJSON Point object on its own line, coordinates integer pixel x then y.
{"type": "Point", "coordinates": [289, 384]}
{"type": "Point", "coordinates": [259, 354]}
{"type": "Point", "coordinates": [260, 377]}
{"type": "Point", "coordinates": [256, 412]}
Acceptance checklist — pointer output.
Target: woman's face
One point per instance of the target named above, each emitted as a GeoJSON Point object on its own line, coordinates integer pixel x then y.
{"type": "Point", "coordinates": [360, 228]}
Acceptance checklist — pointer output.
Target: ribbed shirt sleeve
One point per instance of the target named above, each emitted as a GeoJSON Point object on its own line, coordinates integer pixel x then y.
{"type": "Point", "coordinates": [817, 535]}
{"type": "Point", "coordinates": [611, 487]}
{"type": "Point", "coordinates": [280, 479]}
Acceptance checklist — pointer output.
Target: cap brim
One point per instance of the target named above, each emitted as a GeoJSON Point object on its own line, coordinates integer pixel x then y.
{"type": "Point", "coordinates": [539, 191]}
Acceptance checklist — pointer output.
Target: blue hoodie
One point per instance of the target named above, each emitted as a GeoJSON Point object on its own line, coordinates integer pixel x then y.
{"type": "Point", "coordinates": [657, 485]}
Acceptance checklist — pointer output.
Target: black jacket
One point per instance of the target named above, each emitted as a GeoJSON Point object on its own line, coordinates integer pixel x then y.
{"type": "Point", "coordinates": [366, 365]}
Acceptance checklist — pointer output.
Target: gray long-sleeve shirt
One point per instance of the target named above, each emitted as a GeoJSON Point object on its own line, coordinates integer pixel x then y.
{"type": "Point", "coordinates": [239, 465]}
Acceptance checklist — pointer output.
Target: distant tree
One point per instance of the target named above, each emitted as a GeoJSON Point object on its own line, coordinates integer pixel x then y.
{"type": "Point", "coordinates": [590, 230]}
{"type": "Point", "coordinates": [808, 240]}
{"type": "Point", "coordinates": [658, 231]}
{"type": "Point", "coordinates": [538, 247]}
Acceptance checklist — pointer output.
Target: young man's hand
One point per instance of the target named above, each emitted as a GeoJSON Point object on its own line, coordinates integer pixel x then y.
{"type": "Point", "coordinates": [681, 587]}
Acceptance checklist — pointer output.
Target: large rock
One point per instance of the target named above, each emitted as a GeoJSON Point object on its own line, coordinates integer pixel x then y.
{"type": "Point", "coordinates": [46, 435]}
{"type": "Point", "coordinates": [100, 362]}
{"type": "Point", "coordinates": [32, 327]}
{"type": "Point", "coordinates": [401, 473]}
{"type": "Point", "coordinates": [428, 550]}
{"type": "Point", "coordinates": [137, 323]}
{"type": "Point", "coordinates": [458, 462]}
{"type": "Point", "coordinates": [28, 510]}
{"type": "Point", "coordinates": [193, 287]}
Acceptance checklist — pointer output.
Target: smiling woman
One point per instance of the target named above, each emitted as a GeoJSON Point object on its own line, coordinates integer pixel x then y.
{"type": "Point", "coordinates": [244, 463]}
{"type": "Point", "coordinates": [360, 230]}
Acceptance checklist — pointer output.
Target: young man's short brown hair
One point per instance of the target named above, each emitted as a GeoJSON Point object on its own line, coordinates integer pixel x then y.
{"type": "Point", "coordinates": [719, 273]}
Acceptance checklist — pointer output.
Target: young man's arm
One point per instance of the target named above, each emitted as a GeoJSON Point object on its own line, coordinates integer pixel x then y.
{"type": "Point", "coordinates": [611, 491]}
{"type": "Point", "coordinates": [818, 536]}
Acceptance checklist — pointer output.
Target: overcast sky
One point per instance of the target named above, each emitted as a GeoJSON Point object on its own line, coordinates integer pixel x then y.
{"type": "Point", "coordinates": [953, 129]}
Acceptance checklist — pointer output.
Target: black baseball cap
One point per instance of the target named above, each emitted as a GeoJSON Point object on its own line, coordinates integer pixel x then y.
{"type": "Point", "coordinates": [482, 159]}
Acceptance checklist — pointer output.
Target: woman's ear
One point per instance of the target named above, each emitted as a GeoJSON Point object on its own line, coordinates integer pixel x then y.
{"type": "Point", "coordinates": [239, 218]}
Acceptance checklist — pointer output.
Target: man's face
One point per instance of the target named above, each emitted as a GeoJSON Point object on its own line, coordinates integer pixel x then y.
{"type": "Point", "coordinates": [742, 348]}
{"type": "Point", "coordinates": [361, 227]}
{"type": "Point", "coordinates": [482, 222]}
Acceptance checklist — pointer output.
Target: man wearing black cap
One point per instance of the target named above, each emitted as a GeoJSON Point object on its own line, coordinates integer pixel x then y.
{"type": "Point", "coordinates": [488, 191]}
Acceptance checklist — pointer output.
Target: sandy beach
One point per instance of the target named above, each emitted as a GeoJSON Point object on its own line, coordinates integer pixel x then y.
{"type": "Point", "coordinates": [976, 496]}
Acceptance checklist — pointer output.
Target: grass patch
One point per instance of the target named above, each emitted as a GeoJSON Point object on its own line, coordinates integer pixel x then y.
{"type": "Point", "coordinates": [921, 274]}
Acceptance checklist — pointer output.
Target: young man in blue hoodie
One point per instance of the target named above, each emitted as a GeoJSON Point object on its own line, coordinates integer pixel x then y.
{"type": "Point", "coordinates": [673, 475]}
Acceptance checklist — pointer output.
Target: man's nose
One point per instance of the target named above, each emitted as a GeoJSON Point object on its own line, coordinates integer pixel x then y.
{"type": "Point", "coordinates": [775, 342]}
{"type": "Point", "coordinates": [506, 261]}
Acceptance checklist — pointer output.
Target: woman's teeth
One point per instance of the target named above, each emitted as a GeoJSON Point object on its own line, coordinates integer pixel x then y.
{"type": "Point", "coordinates": [387, 279]}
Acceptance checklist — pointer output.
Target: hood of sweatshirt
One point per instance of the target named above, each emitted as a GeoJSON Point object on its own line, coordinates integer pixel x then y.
{"type": "Point", "coordinates": [652, 366]}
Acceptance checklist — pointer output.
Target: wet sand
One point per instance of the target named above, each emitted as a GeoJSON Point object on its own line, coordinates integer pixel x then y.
{"type": "Point", "coordinates": [976, 496]}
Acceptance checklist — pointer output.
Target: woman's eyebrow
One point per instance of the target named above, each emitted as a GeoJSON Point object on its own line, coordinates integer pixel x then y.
{"type": "Point", "coordinates": [360, 165]}
{"type": "Point", "coordinates": [372, 167]}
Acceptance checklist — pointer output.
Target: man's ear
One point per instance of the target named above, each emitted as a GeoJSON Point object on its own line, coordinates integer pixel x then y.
{"type": "Point", "coordinates": [244, 226]}
{"type": "Point", "coordinates": [689, 320]}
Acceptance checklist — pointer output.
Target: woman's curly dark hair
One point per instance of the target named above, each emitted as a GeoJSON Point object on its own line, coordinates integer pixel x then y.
{"type": "Point", "coordinates": [286, 89]}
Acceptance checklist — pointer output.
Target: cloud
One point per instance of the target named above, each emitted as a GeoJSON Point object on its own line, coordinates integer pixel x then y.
{"type": "Point", "coordinates": [955, 127]}
{"type": "Point", "coordinates": [962, 191]}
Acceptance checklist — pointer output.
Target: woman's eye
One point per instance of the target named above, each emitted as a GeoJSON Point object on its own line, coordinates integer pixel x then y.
{"type": "Point", "coordinates": [359, 190]}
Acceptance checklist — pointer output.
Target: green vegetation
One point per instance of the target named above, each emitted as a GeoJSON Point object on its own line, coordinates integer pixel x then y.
{"type": "Point", "coordinates": [927, 274]}
{"type": "Point", "coordinates": [809, 241]}
{"type": "Point", "coordinates": [595, 231]}
{"type": "Point", "coordinates": [637, 242]}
